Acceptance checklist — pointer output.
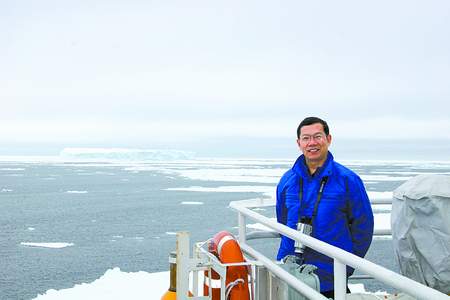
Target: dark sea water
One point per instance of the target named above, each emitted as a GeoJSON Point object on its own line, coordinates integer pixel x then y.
{"type": "Point", "coordinates": [122, 215]}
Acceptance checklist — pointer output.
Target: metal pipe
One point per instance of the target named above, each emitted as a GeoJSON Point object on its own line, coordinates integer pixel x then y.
{"type": "Point", "coordinates": [359, 277]}
{"type": "Point", "coordinates": [182, 263]}
{"type": "Point", "coordinates": [382, 232]}
{"type": "Point", "coordinates": [255, 235]}
{"type": "Point", "coordinates": [242, 227]}
{"type": "Point", "coordinates": [381, 201]}
{"type": "Point", "coordinates": [340, 280]}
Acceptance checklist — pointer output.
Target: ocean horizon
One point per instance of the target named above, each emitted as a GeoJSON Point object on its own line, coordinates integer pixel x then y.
{"type": "Point", "coordinates": [430, 149]}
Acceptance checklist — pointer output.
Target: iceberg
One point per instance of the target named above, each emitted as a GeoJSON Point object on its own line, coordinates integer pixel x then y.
{"type": "Point", "coordinates": [125, 154]}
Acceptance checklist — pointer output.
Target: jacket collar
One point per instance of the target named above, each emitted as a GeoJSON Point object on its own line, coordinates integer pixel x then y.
{"type": "Point", "coordinates": [301, 168]}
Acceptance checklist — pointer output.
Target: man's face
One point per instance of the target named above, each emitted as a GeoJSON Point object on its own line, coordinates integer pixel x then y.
{"type": "Point", "coordinates": [314, 143]}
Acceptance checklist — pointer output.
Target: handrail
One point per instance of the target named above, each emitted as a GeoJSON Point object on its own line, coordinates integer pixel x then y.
{"type": "Point", "coordinates": [341, 257]}
{"type": "Point", "coordinates": [380, 201]}
{"type": "Point", "coordinates": [260, 234]}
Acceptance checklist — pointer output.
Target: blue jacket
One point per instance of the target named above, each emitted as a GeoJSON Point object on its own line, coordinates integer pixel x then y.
{"type": "Point", "coordinates": [344, 215]}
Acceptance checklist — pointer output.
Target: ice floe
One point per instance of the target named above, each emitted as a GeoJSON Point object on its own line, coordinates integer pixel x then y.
{"type": "Point", "coordinates": [47, 245]}
{"type": "Point", "coordinates": [113, 285]}
{"type": "Point", "coordinates": [76, 192]}
{"type": "Point", "coordinates": [259, 226]}
{"type": "Point", "coordinates": [234, 174]}
{"type": "Point", "coordinates": [379, 195]}
{"type": "Point", "coordinates": [268, 191]}
{"type": "Point", "coordinates": [384, 178]}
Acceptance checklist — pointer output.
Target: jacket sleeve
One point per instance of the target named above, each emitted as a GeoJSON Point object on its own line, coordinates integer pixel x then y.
{"type": "Point", "coordinates": [360, 217]}
{"type": "Point", "coordinates": [280, 205]}
{"type": "Point", "coordinates": [281, 212]}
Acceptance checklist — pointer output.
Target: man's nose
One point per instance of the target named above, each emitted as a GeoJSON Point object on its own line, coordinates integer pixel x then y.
{"type": "Point", "coordinates": [312, 141]}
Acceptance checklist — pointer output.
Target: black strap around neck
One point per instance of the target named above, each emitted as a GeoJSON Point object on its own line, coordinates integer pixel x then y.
{"type": "Point", "coordinates": [319, 197]}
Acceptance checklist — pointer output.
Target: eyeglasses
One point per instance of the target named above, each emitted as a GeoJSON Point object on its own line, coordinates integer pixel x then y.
{"type": "Point", "coordinates": [318, 137]}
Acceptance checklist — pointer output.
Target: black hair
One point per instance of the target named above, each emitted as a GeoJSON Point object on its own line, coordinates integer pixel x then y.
{"type": "Point", "coordinates": [313, 120]}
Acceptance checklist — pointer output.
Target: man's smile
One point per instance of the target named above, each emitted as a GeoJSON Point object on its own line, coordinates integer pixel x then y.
{"type": "Point", "coordinates": [313, 150]}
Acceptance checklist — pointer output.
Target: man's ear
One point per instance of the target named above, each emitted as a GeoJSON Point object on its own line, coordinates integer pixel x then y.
{"type": "Point", "coordinates": [298, 144]}
{"type": "Point", "coordinates": [329, 138]}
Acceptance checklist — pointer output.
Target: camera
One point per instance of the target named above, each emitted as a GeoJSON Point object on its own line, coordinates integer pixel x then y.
{"type": "Point", "coordinates": [305, 227]}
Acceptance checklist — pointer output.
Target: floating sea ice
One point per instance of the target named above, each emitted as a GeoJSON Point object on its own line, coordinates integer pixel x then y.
{"type": "Point", "coordinates": [115, 284]}
{"type": "Point", "coordinates": [382, 221]}
{"type": "Point", "coordinates": [384, 178]}
{"type": "Point", "coordinates": [6, 190]}
{"type": "Point", "coordinates": [31, 228]}
{"type": "Point", "coordinates": [379, 195]}
{"type": "Point", "coordinates": [47, 245]}
{"type": "Point", "coordinates": [191, 203]}
{"type": "Point", "coordinates": [260, 226]}
{"type": "Point", "coordinates": [234, 174]}
{"type": "Point", "coordinates": [356, 288]}
{"type": "Point", "coordinates": [381, 208]}
{"type": "Point", "coordinates": [171, 233]}
{"type": "Point", "coordinates": [76, 192]}
{"type": "Point", "coordinates": [105, 173]}
{"type": "Point", "coordinates": [268, 191]}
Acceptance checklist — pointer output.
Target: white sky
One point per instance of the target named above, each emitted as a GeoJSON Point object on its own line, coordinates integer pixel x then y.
{"type": "Point", "coordinates": [114, 71]}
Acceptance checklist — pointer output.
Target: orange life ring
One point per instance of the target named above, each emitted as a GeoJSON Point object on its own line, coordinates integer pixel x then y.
{"type": "Point", "coordinates": [224, 246]}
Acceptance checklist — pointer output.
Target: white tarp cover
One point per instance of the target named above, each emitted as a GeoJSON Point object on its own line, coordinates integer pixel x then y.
{"type": "Point", "coordinates": [420, 223]}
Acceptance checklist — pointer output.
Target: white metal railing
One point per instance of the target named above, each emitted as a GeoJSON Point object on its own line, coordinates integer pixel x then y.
{"type": "Point", "coordinates": [341, 258]}
{"type": "Point", "coordinates": [380, 201]}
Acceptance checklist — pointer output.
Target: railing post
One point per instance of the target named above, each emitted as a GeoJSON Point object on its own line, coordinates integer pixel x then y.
{"type": "Point", "coordinates": [340, 280]}
{"type": "Point", "coordinates": [183, 256]}
{"type": "Point", "coordinates": [195, 273]}
{"type": "Point", "coordinates": [241, 224]}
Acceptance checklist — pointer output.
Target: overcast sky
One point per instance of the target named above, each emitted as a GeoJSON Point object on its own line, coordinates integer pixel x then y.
{"type": "Point", "coordinates": [117, 72]}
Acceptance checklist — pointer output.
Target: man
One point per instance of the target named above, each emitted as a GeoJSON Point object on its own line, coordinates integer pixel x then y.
{"type": "Point", "coordinates": [332, 198]}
